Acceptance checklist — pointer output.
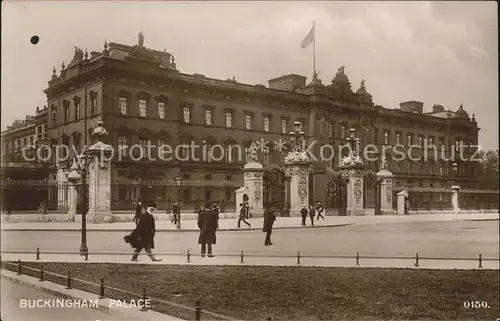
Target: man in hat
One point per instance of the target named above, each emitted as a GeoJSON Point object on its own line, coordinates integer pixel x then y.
{"type": "Point", "coordinates": [207, 223]}
{"type": "Point", "coordinates": [143, 235]}
{"type": "Point", "coordinates": [138, 211]}
{"type": "Point", "coordinates": [269, 219]}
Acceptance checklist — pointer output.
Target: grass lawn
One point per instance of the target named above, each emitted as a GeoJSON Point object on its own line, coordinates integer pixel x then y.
{"type": "Point", "coordinates": [302, 293]}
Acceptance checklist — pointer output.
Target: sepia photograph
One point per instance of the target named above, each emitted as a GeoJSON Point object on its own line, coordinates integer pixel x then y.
{"type": "Point", "coordinates": [249, 160]}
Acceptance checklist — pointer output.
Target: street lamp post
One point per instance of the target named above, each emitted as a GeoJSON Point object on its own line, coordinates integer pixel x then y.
{"type": "Point", "coordinates": [453, 173]}
{"type": "Point", "coordinates": [178, 181]}
{"type": "Point", "coordinates": [80, 166]}
{"type": "Point", "coordinates": [223, 205]}
{"type": "Point", "coordinates": [297, 137]}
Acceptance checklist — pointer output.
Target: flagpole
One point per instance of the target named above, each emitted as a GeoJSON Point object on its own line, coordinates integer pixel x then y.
{"type": "Point", "coordinates": [314, 48]}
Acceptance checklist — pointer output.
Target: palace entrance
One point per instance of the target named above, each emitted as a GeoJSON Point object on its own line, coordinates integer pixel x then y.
{"type": "Point", "coordinates": [275, 191]}
{"type": "Point", "coordinates": [336, 189]}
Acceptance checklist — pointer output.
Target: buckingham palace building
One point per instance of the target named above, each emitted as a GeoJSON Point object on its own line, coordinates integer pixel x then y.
{"type": "Point", "coordinates": [144, 99]}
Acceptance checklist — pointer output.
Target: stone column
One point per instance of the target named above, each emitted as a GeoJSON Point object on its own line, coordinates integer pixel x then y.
{"type": "Point", "coordinates": [72, 201]}
{"type": "Point", "coordinates": [61, 188]}
{"type": "Point", "coordinates": [384, 176]}
{"type": "Point", "coordinates": [253, 187]}
{"type": "Point", "coordinates": [401, 202]}
{"type": "Point", "coordinates": [355, 174]}
{"type": "Point", "coordinates": [99, 180]}
{"type": "Point", "coordinates": [99, 177]}
{"type": "Point", "coordinates": [454, 198]}
{"type": "Point", "coordinates": [298, 168]}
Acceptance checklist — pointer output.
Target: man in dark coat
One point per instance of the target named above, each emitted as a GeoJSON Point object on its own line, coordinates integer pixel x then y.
{"type": "Point", "coordinates": [207, 223]}
{"type": "Point", "coordinates": [303, 213]}
{"type": "Point", "coordinates": [311, 214]}
{"type": "Point", "coordinates": [143, 235]}
{"type": "Point", "coordinates": [269, 219]}
{"type": "Point", "coordinates": [175, 212]}
{"type": "Point", "coordinates": [138, 212]}
{"type": "Point", "coordinates": [319, 210]}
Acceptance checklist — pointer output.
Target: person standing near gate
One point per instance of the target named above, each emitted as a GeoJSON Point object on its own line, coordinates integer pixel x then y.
{"type": "Point", "coordinates": [138, 212]}
{"type": "Point", "coordinates": [207, 223]}
{"type": "Point", "coordinates": [303, 213]}
{"type": "Point", "coordinates": [269, 219]}
{"type": "Point", "coordinates": [143, 235]}
{"type": "Point", "coordinates": [312, 213]}
{"type": "Point", "coordinates": [319, 210]}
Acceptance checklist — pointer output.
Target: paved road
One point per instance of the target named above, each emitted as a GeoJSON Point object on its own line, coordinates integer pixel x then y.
{"type": "Point", "coordinates": [429, 239]}
{"type": "Point", "coordinates": [12, 293]}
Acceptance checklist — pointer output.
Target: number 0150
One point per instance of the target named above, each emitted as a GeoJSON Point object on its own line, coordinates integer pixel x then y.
{"type": "Point", "coordinates": [476, 304]}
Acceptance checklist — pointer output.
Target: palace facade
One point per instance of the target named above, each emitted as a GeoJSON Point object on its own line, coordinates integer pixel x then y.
{"type": "Point", "coordinates": [144, 99]}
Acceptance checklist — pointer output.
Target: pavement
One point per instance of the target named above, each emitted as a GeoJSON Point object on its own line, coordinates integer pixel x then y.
{"type": "Point", "coordinates": [19, 287]}
{"type": "Point", "coordinates": [256, 223]}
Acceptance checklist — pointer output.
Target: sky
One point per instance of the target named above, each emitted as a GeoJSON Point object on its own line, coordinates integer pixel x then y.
{"type": "Point", "coordinates": [436, 52]}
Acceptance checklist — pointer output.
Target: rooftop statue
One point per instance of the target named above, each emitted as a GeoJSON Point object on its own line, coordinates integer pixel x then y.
{"type": "Point", "coordinates": [141, 39]}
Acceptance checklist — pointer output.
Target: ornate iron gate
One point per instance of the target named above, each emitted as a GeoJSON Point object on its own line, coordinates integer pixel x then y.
{"type": "Point", "coordinates": [370, 191]}
{"type": "Point", "coordinates": [336, 189]}
{"type": "Point", "coordinates": [275, 182]}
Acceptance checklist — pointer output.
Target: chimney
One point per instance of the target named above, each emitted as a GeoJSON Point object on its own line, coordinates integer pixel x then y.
{"type": "Point", "coordinates": [288, 82]}
{"type": "Point", "coordinates": [437, 108]}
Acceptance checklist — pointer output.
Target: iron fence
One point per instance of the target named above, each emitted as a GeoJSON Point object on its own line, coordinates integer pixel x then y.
{"type": "Point", "coordinates": [35, 195]}
{"type": "Point", "coordinates": [297, 258]}
{"type": "Point", "coordinates": [478, 199]}
{"type": "Point", "coordinates": [191, 194]}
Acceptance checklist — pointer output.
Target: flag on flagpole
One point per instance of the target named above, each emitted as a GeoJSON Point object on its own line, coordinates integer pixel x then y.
{"type": "Point", "coordinates": [308, 39]}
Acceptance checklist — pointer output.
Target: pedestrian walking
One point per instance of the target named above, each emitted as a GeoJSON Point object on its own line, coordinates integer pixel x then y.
{"type": "Point", "coordinates": [142, 237]}
{"type": "Point", "coordinates": [207, 223]}
{"type": "Point", "coordinates": [138, 211]}
{"type": "Point", "coordinates": [269, 219]}
{"type": "Point", "coordinates": [303, 213]}
{"type": "Point", "coordinates": [242, 216]}
{"type": "Point", "coordinates": [319, 210]}
{"type": "Point", "coordinates": [175, 213]}
{"type": "Point", "coordinates": [312, 213]}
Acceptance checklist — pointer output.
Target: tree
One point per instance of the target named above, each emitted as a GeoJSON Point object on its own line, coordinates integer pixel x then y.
{"type": "Point", "coordinates": [488, 176]}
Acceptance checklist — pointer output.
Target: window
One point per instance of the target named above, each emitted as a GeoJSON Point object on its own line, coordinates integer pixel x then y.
{"type": "Point", "coordinates": [229, 194]}
{"type": "Point", "coordinates": [398, 138]}
{"type": "Point", "coordinates": [186, 113]}
{"type": "Point", "coordinates": [93, 104]}
{"type": "Point", "coordinates": [186, 195]}
{"type": "Point", "coordinates": [143, 107]}
{"type": "Point", "coordinates": [162, 151]}
{"type": "Point", "coordinates": [144, 142]}
{"type": "Point", "coordinates": [248, 121]}
{"type": "Point", "coordinates": [247, 154]}
{"type": "Point", "coordinates": [77, 109]}
{"type": "Point", "coordinates": [342, 132]}
{"type": "Point", "coordinates": [409, 141]}
{"type": "Point", "coordinates": [441, 171]}
{"type": "Point", "coordinates": [76, 143]}
{"type": "Point", "coordinates": [431, 141]}
{"type": "Point", "coordinates": [386, 138]}
{"type": "Point", "coordinates": [122, 101]}
{"type": "Point", "coordinates": [266, 123]}
{"type": "Point", "coordinates": [266, 156]}
{"type": "Point", "coordinates": [330, 131]}
{"type": "Point", "coordinates": [208, 117]}
{"type": "Point", "coordinates": [66, 112]}
{"type": "Point", "coordinates": [368, 135]}
{"type": "Point", "coordinates": [420, 141]}
{"type": "Point", "coordinates": [229, 119]}
{"type": "Point", "coordinates": [122, 145]}
{"type": "Point", "coordinates": [161, 110]}
{"type": "Point", "coordinates": [207, 156]}
{"type": "Point", "coordinates": [441, 143]}
{"type": "Point", "coordinates": [284, 126]}
{"type": "Point", "coordinates": [208, 194]}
